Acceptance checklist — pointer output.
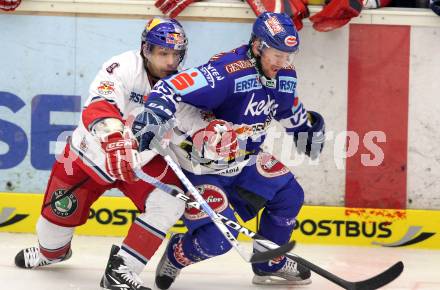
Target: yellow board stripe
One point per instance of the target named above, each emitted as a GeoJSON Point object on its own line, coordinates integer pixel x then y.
{"type": "Point", "coordinates": [112, 216]}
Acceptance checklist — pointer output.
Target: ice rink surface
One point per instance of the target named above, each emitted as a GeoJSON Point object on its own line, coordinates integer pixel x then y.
{"type": "Point", "coordinates": [229, 272]}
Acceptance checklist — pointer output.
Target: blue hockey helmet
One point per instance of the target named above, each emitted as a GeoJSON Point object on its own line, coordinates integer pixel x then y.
{"type": "Point", "coordinates": [276, 30]}
{"type": "Point", "coordinates": [165, 32]}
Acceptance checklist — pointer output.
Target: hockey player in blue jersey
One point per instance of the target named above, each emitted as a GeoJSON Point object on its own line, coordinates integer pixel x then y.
{"type": "Point", "coordinates": [245, 89]}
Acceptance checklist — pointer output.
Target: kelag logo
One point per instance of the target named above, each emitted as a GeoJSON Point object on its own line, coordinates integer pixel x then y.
{"type": "Point", "coordinates": [7, 217]}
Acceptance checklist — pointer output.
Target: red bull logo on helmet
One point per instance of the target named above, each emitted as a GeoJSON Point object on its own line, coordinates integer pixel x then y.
{"type": "Point", "coordinates": [175, 38]}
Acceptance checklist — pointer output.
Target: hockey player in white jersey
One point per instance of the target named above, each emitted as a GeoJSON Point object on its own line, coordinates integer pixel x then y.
{"type": "Point", "coordinates": [102, 153]}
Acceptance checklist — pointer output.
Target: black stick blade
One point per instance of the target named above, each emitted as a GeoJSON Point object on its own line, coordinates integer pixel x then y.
{"type": "Point", "coordinates": [260, 257]}
{"type": "Point", "coordinates": [381, 279]}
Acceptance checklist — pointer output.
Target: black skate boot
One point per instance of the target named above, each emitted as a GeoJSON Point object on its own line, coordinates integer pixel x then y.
{"type": "Point", "coordinates": [166, 272]}
{"type": "Point", "coordinates": [291, 273]}
{"type": "Point", "coordinates": [118, 276]}
{"type": "Point", "coordinates": [31, 258]}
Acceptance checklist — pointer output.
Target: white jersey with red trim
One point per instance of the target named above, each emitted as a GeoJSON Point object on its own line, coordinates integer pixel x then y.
{"type": "Point", "coordinates": [118, 91]}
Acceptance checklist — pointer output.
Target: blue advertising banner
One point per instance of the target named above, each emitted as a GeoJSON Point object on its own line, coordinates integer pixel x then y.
{"type": "Point", "coordinates": [47, 64]}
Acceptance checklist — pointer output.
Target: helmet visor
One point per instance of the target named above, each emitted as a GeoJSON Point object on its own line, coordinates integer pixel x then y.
{"type": "Point", "coordinates": [164, 60]}
{"type": "Point", "coordinates": [277, 57]}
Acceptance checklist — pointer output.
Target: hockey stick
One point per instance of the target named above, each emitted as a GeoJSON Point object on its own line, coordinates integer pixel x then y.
{"type": "Point", "coordinates": [375, 282]}
{"type": "Point", "coordinates": [257, 257]}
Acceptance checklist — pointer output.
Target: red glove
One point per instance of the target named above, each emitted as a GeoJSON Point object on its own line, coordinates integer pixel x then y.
{"type": "Point", "coordinates": [9, 5]}
{"type": "Point", "coordinates": [217, 141]}
{"type": "Point", "coordinates": [172, 8]}
{"type": "Point", "coordinates": [121, 155]}
{"type": "Point", "coordinates": [296, 9]}
{"type": "Point", "coordinates": [336, 14]}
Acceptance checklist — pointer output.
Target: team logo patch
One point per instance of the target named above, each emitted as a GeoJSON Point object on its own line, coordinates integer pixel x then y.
{"type": "Point", "coordinates": [268, 166]}
{"type": "Point", "coordinates": [273, 25]}
{"type": "Point", "coordinates": [290, 41]}
{"type": "Point", "coordinates": [106, 88]}
{"type": "Point", "coordinates": [65, 206]}
{"type": "Point", "coordinates": [214, 196]}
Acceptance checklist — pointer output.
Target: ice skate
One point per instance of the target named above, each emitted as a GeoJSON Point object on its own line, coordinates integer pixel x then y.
{"type": "Point", "coordinates": [291, 273]}
{"type": "Point", "coordinates": [118, 276]}
{"type": "Point", "coordinates": [31, 258]}
{"type": "Point", "coordinates": [166, 272]}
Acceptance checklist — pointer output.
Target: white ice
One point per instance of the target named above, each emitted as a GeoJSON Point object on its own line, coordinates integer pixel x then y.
{"type": "Point", "coordinates": [228, 272]}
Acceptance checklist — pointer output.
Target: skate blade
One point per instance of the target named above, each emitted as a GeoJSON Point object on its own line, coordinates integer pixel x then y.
{"type": "Point", "coordinates": [274, 280]}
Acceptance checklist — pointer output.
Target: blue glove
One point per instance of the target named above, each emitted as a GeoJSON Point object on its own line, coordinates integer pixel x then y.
{"type": "Point", "coordinates": [311, 142]}
{"type": "Point", "coordinates": [149, 125]}
{"type": "Point", "coordinates": [435, 6]}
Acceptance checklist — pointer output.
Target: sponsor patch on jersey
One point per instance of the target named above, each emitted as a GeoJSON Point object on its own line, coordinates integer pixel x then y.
{"type": "Point", "coordinates": [274, 25]}
{"type": "Point", "coordinates": [268, 166]}
{"type": "Point", "coordinates": [211, 74]}
{"type": "Point", "coordinates": [66, 206]}
{"type": "Point", "coordinates": [106, 87]}
{"type": "Point", "coordinates": [188, 81]}
{"type": "Point", "coordinates": [290, 41]}
{"type": "Point", "coordinates": [267, 107]}
{"type": "Point", "coordinates": [253, 131]}
{"type": "Point", "coordinates": [238, 66]}
{"type": "Point", "coordinates": [137, 98]}
{"type": "Point", "coordinates": [286, 84]}
{"type": "Point", "coordinates": [247, 83]}
{"type": "Point", "coordinates": [214, 196]}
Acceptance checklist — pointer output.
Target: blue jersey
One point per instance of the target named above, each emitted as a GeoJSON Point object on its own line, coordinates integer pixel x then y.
{"type": "Point", "coordinates": [230, 86]}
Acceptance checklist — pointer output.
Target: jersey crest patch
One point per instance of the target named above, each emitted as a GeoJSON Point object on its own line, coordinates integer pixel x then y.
{"type": "Point", "coordinates": [268, 166]}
